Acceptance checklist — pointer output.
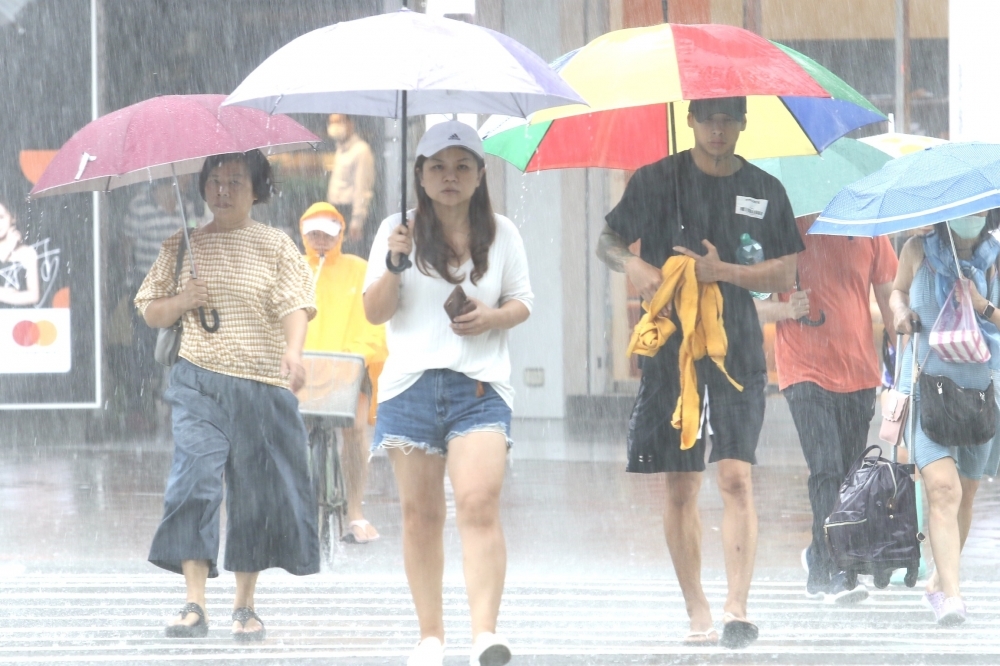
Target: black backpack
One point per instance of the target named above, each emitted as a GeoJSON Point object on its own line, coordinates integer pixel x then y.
{"type": "Point", "coordinates": [873, 527]}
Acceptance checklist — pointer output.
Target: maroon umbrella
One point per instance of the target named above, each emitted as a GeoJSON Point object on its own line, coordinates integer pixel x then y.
{"type": "Point", "coordinates": [165, 137]}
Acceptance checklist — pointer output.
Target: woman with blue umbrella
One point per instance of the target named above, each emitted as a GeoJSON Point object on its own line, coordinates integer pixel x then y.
{"type": "Point", "coordinates": [927, 274]}
{"type": "Point", "coordinates": [949, 187]}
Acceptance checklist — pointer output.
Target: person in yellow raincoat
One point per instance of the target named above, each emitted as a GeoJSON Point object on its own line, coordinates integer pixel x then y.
{"type": "Point", "coordinates": [340, 326]}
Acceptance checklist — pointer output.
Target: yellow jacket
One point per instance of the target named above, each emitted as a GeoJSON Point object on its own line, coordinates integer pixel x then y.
{"type": "Point", "coordinates": [340, 324]}
{"type": "Point", "coordinates": [699, 308]}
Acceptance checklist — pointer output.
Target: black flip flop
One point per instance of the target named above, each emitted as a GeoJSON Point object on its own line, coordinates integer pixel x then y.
{"type": "Point", "coordinates": [736, 633]}
{"type": "Point", "coordinates": [244, 615]}
{"type": "Point", "coordinates": [197, 630]}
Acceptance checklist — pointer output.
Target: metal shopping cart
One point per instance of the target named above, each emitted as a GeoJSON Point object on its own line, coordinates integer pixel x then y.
{"type": "Point", "coordinates": [328, 402]}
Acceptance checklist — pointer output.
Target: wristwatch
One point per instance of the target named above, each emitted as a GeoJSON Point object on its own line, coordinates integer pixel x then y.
{"type": "Point", "coordinates": [988, 311]}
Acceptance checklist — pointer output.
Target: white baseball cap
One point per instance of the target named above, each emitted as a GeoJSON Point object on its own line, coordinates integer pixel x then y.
{"type": "Point", "coordinates": [327, 225]}
{"type": "Point", "coordinates": [447, 134]}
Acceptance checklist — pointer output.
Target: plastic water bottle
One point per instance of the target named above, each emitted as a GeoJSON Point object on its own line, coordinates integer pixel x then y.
{"type": "Point", "coordinates": [750, 253]}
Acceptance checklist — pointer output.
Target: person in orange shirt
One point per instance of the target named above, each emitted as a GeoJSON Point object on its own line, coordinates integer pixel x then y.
{"type": "Point", "coordinates": [340, 326]}
{"type": "Point", "coordinates": [829, 372]}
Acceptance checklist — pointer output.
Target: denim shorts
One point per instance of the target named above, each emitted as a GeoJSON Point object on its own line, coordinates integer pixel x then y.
{"type": "Point", "coordinates": [441, 405]}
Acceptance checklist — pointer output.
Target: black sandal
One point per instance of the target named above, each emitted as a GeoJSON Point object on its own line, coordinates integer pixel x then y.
{"type": "Point", "coordinates": [244, 615]}
{"type": "Point", "coordinates": [197, 630]}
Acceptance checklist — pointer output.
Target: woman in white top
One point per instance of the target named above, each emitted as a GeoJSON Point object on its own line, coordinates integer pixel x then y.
{"type": "Point", "coordinates": [444, 394]}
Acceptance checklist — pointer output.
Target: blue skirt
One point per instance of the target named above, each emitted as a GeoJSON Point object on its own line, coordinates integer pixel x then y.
{"type": "Point", "coordinates": [250, 434]}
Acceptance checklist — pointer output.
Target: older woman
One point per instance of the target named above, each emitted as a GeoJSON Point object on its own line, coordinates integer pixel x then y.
{"type": "Point", "coordinates": [233, 412]}
{"type": "Point", "coordinates": [951, 474]}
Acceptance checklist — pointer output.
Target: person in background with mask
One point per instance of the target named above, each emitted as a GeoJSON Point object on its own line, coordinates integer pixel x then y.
{"type": "Point", "coordinates": [352, 179]}
{"type": "Point", "coordinates": [927, 274]}
{"type": "Point", "coordinates": [340, 326]}
{"type": "Point", "coordinates": [828, 369]}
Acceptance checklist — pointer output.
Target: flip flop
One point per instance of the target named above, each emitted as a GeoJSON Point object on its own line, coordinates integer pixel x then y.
{"type": "Point", "coordinates": [350, 536]}
{"type": "Point", "coordinates": [244, 615]}
{"type": "Point", "coordinates": [737, 633]}
{"type": "Point", "coordinates": [197, 630]}
{"type": "Point", "coordinates": [707, 638]}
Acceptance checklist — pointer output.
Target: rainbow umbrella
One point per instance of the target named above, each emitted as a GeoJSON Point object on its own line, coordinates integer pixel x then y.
{"type": "Point", "coordinates": [897, 145]}
{"type": "Point", "coordinates": [638, 82]}
{"type": "Point", "coordinates": [811, 181]}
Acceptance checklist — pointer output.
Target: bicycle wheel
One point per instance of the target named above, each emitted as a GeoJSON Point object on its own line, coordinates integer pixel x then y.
{"type": "Point", "coordinates": [319, 454]}
{"type": "Point", "coordinates": [336, 490]}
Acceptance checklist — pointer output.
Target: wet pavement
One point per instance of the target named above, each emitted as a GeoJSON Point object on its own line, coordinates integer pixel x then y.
{"type": "Point", "coordinates": [589, 578]}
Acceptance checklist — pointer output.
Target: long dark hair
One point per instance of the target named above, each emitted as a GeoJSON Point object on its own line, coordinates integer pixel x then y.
{"type": "Point", "coordinates": [433, 251]}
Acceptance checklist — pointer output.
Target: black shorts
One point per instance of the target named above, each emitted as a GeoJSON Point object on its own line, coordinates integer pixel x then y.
{"type": "Point", "coordinates": [736, 419]}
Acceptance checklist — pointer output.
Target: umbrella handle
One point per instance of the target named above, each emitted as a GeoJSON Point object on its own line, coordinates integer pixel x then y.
{"type": "Point", "coordinates": [204, 320]}
{"type": "Point", "coordinates": [806, 321]}
{"type": "Point", "coordinates": [404, 262]}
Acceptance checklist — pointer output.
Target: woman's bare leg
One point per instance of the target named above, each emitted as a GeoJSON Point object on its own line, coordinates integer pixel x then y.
{"type": "Point", "coordinates": [969, 488]}
{"type": "Point", "coordinates": [944, 496]}
{"type": "Point", "coordinates": [195, 577]}
{"type": "Point", "coordinates": [420, 479]}
{"type": "Point", "coordinates": [246, 585]}
{"type": "Point", "coordinates": [476, 465]}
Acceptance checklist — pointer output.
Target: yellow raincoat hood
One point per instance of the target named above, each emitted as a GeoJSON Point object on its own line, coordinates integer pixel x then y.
{"type": "Point", "coordinates": [340, 324]}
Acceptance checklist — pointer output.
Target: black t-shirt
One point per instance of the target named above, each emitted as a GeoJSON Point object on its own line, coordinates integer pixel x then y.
{"type": "Point", "coordinates": [673, 202]}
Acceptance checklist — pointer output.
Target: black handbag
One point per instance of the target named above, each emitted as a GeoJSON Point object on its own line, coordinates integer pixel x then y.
{"type": "Point", "coordinates": [168, 340]}
{"type": "Point", "coordinates": [954, 416]}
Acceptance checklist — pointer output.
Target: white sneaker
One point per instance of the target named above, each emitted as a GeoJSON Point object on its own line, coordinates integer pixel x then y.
{"type": "Point", "coordinates": [429, 652]}
{"type": "Point", "coordinates": [489, 650]}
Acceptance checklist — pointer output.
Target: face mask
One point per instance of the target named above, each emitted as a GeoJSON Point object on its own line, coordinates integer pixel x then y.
{"type": "Point", "coordinates": [968, 227]}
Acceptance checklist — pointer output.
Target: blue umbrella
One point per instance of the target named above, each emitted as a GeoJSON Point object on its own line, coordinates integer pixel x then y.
{"type": "Point", "coordinates": [934, 185]}
{"type": "Point", "coordinates": [402, 63]}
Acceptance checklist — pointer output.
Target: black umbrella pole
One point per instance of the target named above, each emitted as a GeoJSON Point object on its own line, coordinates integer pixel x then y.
{"type": "Point", "coordinates": [402, 158]}
{"type": "Point", "coordinates": [404, 261]}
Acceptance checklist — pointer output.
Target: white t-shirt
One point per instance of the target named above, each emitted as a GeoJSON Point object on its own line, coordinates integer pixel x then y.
{"type": "Point", "coordinates": [419, 335]}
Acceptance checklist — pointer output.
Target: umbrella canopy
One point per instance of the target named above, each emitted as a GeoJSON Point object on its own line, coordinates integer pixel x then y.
{"type": "Point", "coordinates": [638, 82]}
{"type": "Point", "coordinates": [162, 137]}
{"type": "Point", "coordinates": [811, 181]}
{"type": "Point", "coordinates": [403, 63]}
{"type": "Point", "coordinates": [897, 145]}
{"type": "Point", "coordinates": [361, 66]}
{"type": "Point", "coordinates": [916, 190]}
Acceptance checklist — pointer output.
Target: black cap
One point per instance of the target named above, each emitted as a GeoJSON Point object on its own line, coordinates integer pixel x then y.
{"type": "Point", "coordinates": [734, 107]}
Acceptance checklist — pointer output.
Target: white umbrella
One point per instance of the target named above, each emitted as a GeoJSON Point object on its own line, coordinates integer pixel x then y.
{"type": "Point", "coordinates": [403, 63]}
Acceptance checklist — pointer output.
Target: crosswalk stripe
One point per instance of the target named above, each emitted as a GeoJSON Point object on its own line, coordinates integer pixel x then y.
{"type": "Point", "coordinates": [95, 618]}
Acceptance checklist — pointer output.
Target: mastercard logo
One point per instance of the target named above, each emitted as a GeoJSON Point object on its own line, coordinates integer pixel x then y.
{"type": "Point", "coordinates": [29, 333]}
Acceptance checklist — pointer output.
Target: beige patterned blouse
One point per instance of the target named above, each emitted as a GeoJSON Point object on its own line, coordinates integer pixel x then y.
{"type": "Point", "coordinates": [255, 277]}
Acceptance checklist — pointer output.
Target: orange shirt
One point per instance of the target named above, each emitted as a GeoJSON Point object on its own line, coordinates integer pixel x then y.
{"type": "Point", "coordinates": [839, 271]}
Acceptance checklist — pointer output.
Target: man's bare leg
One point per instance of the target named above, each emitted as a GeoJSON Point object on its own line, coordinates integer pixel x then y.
{"type": "Point", "coordinates": [355, 457]}
{"type": "Point", "coordinates": [739, 532]}
{"type": "Point", "coordinates": [682, 528]}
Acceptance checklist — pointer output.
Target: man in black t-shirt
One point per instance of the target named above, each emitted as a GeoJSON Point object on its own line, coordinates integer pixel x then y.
{"type": "Point", "coordinates": [701, 203]}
